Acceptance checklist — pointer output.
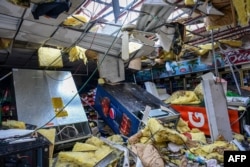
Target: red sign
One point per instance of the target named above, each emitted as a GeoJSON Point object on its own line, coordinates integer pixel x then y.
{"type": "Point", "coordinates": [237, 56]}
{"type": "Point", "coordinates": [197, 118]}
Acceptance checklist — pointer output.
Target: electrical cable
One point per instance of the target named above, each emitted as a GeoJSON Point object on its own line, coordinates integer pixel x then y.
{"type": "Point", "coordinates": [67, 128]}
{"type": "Point", "coordinates": [83, 34]}
{"type": "Point", "coordinates": [81, 88]}
{"type": "Point", "coordinates": [241, 116]}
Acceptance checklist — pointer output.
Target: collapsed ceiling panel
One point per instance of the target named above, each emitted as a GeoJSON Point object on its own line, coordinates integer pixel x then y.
{"type": "Point", "coordinates": [153, 15]}
{"type": "Point", "coordinates": [147, 16]}
{"type": "Point", "coordinates": [101, 43]}
{"type": "Point", "coordinates": [57, 43]}
{"type": "Point", "coordinates": [22, 36]}
{"type": "Point", "coordinates": [45, 20]}
{"type": "Point", "coordinates": [11, 10]}
{"type": "Point", "coordinates": [19, 57]}
{"type": "Point", "coordinates": [67, 35]}
{"type": "Point", "coordinates": [43, 30]}
{"type": "Point", "coordinates": [9, 22]}
{"type": "Point", "coordinates": [5, 33]}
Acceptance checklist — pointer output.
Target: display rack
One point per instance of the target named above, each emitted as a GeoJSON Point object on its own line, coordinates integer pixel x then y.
{"type": "Point", "coordinates": [228, 76]}
{"type": "Point", "coordinates": [245, 77]}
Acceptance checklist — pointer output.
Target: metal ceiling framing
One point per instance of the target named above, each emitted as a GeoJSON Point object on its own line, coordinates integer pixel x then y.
{"type": "Point", "coordinates": [29, 34]}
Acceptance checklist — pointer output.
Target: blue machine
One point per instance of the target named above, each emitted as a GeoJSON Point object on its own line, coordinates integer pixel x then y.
{"type": "Point", "coordinates": [122, 107]}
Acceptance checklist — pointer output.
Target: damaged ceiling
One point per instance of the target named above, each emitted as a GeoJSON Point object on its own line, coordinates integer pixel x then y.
{"type": "Point", "coordinates": [101, 33]}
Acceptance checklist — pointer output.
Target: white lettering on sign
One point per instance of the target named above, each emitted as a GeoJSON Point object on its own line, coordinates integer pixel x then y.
{"type": "Point", "coordinates": [237, 56]}
{"type": "Point", "coordinates": [235, 158]}
{"type": "Point", "coordinates": [196, 119]}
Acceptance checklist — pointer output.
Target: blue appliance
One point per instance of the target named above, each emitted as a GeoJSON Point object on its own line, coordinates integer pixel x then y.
{"type": "Point", "coordinates": [122, 107]}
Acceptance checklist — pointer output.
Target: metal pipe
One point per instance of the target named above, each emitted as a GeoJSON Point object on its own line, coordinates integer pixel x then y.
{"type": "Point", "coordinates": [222, 34]}
{"type": "Point", "coordinates": [214, 56]}
{"type": "Point", "coordinates": [232, 71]}
{"type": "Point", "coordinates": [5, 76]}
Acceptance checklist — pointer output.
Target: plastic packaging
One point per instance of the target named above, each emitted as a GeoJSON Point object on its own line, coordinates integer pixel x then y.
{"type": "Point", "coordinates": [195, 158]}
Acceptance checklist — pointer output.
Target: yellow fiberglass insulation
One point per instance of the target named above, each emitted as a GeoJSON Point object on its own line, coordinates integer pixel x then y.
{"type": "Point", "coordinates": [77, 53]}
{"type": "Point", "coordinates": [232, 43]}
{"type": "Point", "coordinates": [84, 147]}
{"type": "Point", "coordinates": [183, 97]}
{"type": "Point", "coordinates": [75, 20]}
{"type": "Point", "coordinates": [214, 150]}
{"type": "Point", "coordinates": [86, 159]}
{"type": "Point", "coordinates": [189, 2]}
{"type": "Point", "coordinates": [14, 124]}
{"type": "Point", "coordinates": [182, 126]}
{"type": "Point", "coordinates": [248, 8]}
{"type": "Point", "coordinates": [241, 10]}
{"type": "Point", "coordinates": [163, 134]}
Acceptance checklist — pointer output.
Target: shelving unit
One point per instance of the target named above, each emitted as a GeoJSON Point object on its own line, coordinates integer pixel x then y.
{"type": "Point", "coordinates": [191, 80]}
{"type": "Point", "coordinates": [178, 83]}
{"type": "Point", "coordinates": [7, 100]}
{"type": "Point", "coordinates": [228, 76]}
{"type": "Point", "coordinates": [245, 77]}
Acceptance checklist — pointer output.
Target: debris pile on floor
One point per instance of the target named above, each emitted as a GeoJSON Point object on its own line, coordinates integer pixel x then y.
{"type": "Point", "coordinates": [157, 145]}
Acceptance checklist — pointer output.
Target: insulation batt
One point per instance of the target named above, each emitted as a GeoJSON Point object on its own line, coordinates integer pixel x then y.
{"type": "Point", "coordinates": [241, 10]}
{"type": "Point", "coordinates": [86, 154]}
{"type": "Point", "coordinates": [14, 124]}
{"type": "Point", "coordinates": [75, 20]}
{"type": "Point", "coordinates": [160, 134]}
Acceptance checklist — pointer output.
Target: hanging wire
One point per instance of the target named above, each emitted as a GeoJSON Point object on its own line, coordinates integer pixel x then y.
{"type": "Point", "coordinates": [65, 51]}
{"type": "Point", "coordinates": [81, 88]}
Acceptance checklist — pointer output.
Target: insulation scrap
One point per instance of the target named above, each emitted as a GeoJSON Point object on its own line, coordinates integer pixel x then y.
{"type": "Point", "coordinates": [157, 133]}
{"type": "Point", "coordinates": [50, 134]}
{"type": "Point", "coordinates": [116, 139]}
{"type": "Point", "coordinates": [78, 158]}
{"type": "Point", "coordinates": [202, 52]}
{"type": "Point", "coordinates": [102, 152]}
{"type": "Point", "coordinates": [198, 90]}
{"type": "Point", "coordinates": [84, 147]}
{"type": "Point", "coordinates": [182, 126]}
{"type": "Point", "coordinates": [238, 137]}
{"type": "Point", "coordinates": [248, 8]}
{"type": "Point", "coordinates": [241, 10]}
{"type": "Point", "coordinates": [169, 143]}
{"type": "Point", "coordinates": [86, 154]}
{"type": "Point", "coordinates": [209, 46]}
{"type": "Point", "coordinates": [189, 2]}
{"type": "Point", "coordinates": [77, 53]}
{"type": "Point", "coordinates": [166, 55]}
{"type": "Point", "coordinates": [198, 136]}
{"type": "Point", "coordinates": [94, 141]}
{"type": "Point", "coordinates": [233, 43]}
{"type": "Point", "coordinates": [14, 124]}
{"type": "Point", "coordinates": [183, 97]}
{"type": "Point", "coordinates": [214, 150]}
{"type": "Point", "coordinates": [217, 21]}
{"type": "Point", "coordinates": [75, 20]}
{"type": "Point", "coordinates": [196, 50]}
{"type": "Point", "coordinates": [5, 43]}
